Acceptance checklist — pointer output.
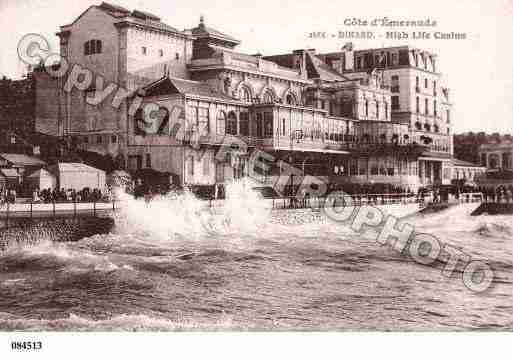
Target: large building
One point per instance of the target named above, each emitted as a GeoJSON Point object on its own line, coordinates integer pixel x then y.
{"type": "Point", "coordinates": [368, 116]}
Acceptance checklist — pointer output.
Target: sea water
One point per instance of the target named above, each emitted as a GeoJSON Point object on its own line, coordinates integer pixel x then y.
{"type": "Point", "coordinates": [175, 264]}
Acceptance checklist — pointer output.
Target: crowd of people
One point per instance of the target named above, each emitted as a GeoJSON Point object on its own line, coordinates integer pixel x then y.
{"type": "Point", "coordinates": [500, 194]}
{"type": "Point", "coordinates": [49, 195]}
{"type": "Point", "coordinates": [8, 195]}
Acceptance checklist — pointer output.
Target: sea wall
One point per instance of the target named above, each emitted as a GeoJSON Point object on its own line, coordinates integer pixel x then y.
{"type": "Point", "coordinates": [55, 229]}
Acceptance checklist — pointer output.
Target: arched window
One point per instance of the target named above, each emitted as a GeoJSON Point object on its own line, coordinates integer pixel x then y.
{"type": "Point", "coordinates": [268, 97]}
{"type": "Point", "coordinates": [231, 124]}
{"type": "Point", "coordinates": [221, 123]}
{"type": "Point", "coordinates": [92, 47]}
{"type": "Point", "coordinates": [163, 117]}
{"type": "Point", "coordinates": [290, 100]}
{"type": "Point", "coordinates": [139, 123]}
{"type": "Point", "coordinates": [245, 94]}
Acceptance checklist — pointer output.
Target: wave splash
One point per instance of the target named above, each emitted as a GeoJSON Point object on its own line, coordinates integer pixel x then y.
{"type": "Point", "coordinates": [124, 322]}
{"type": "Point", "coordinates": [178, 216]}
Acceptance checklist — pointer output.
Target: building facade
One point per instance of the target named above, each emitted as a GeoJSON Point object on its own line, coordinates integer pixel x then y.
{"type": "Point", "coordinates": [497, 153]}
{"type": "Point", "coordinates": [367, 116]}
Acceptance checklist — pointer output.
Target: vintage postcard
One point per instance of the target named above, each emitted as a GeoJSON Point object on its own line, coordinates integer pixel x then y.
{"type": "Point", "coordinates": [255, 166]}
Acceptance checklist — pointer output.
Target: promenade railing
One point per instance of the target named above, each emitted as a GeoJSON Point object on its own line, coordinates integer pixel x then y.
{"type": "Point", "coordinates": [54, 209]}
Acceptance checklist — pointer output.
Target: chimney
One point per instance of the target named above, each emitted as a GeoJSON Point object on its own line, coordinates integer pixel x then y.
{"type": "Point", "coordinates": [300, 62]}
{"type": "Point", "coordinates": [347, 57]}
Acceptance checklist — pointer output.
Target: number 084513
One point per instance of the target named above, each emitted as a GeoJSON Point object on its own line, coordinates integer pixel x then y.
{"type": "Point", "coordinates": [26, 345]}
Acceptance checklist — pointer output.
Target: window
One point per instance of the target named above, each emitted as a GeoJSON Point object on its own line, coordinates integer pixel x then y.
{"type": "Point", "coordinates": [418, 126]}
{"type": "Point", "coordinates": [395, 103]}
{"type": "Point", "coordinates": [231, 124]}
{"type": "Point", "coordinates": [426, 83]}
{"type": "Point", "coordinates": [202, 121]}
{"type": "Point", "coordinates": [377, 110]}
{"type": "Point", "coordinates": [483, 159]}
{"type": "Point", "coordinates": [177, 56]}
{"type": "Point", "coordinates": [268, 124]}
{"type": "Point", "coordinates": [144, 50]}
{"type": "Point", "coordinates": [426, 106]}
{"type": "Point", "coordinates": [86, 139]}
{"type": "Point", "coordinates": [435, 111]}
{"type": "Point", "coordinates": [99, 139]}
{"type": "Point", "coordinates": [283, 128]}
{"type": "Point", "coordinates": [92, 47]}
{"type": "Point", "coordinates": [148, 160]}
{"type": "Point", "coordinates": [404, 57]}
{"type": "Point", "coordinates": [163, 117]}
{"type": "Point", "coordinates": [386, 110]}
{"type": "Point", "coordinates": [434, 88]}
{"type": "Point", "coordinates": [290, 100]}
{"type": "Point", "coordinates": [417, 104]}
{"type": "Point", "coordinates": [359, 62]}
{"type": "Point", "coordinates": [448, 116]}
{"type": "Point", "coordinates": [436, 128]}
{"type": "Point", "coordinates": [394, 59]}
{"type": "Point", "coordinates": [245, 94]}
{"type": "Point", "coordinates": [221, 123]}
{"type": "Point", "coordinates": [259, 126]}
{"type": "Point", "coordinates": [244, 123]}
{"type": "Point", "coordinates": [417, 84]}
{"type": "Point", "coordinates": [206, 164]}
{"type": "Point", "coordinates": [427, 127]}
{"type": "Point", "coordinates": [395, 83]}
{"type": "Point", "coordinates": [114, 139]}
{"type": "Point", "coordinates": [190, 166]}
{"type": "Point", "coordinates": [366, 108]}
{"type": "Point", "coordinates": [322, 104]}
{"type": "Point", "coordinates": [161, 53]}
{"type": "Point", "coordinates": [139, 123]}
{"type": "Point", "coordinates": [268, 97]}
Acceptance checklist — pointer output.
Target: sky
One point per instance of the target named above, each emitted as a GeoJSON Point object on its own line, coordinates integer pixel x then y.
{"type": "Point", "coordinates": [478, 70]}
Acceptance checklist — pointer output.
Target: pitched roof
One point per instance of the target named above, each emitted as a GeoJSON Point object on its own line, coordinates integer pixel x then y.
{"type": "Point", "coordinates": [137, 17]}
{"type": "Point", "coordinates": [9, 172]}
{"type": "Point", "coordinates": [315, 67]}
{"type": "Point", "coordinates": [318, 69]}
{"type": "Point", "coordinates": [22, 160]}
{"type": "Point", "coordinates": [170, 85]}
{"type": "Point", "coordinates": [203, 31]}
{"type": "Point", "coordinates": [153, 23]}
{"type": "Point", "coordinates": [75, 167]}
{"type": "Point", "coordinates": [39, 173]}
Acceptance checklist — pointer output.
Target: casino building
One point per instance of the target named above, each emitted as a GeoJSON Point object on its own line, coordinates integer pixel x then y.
{"type": "Point", "coordinates": [378, 116]}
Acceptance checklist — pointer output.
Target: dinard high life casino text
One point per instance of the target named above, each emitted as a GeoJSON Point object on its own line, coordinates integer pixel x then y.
{"type": "Point", "coordinates": [379, 116]}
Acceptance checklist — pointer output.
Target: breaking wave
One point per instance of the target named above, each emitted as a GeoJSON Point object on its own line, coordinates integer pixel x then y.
{"type": "Point", "coordinates": [124, 322]}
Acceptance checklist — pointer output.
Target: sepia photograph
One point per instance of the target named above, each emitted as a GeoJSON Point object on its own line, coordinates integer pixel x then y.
{"type": "Point", "coordinates": [233, 166]}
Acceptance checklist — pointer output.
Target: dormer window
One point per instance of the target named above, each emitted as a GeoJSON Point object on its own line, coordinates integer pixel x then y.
{"type": "Point", "coordinates": [92, 47]}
